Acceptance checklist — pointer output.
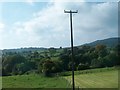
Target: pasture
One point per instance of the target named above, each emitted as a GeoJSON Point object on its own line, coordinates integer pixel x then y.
{"type": "Point", "coordinates": [104, 79]}
{"type": "Point", "coordinates": [33, 81]}
{"type": "Point", "coordinates": [94, 78]}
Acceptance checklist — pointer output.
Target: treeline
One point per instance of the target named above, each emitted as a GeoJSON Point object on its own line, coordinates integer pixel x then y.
{"type": "Point", "coordinates": [55, 60]}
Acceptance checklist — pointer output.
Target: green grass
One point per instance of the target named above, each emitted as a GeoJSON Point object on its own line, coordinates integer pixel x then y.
{"type": "Point", "coordinates": [68, 73]}
{"type": "Point", "coordinates": [33, 81]}
{"type": "Point", "coordinates": [93, 78]}
{"type": "Point", "coordinates": [105, 79]}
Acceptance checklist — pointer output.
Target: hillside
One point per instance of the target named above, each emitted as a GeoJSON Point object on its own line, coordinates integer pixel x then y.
{"type": "Point", "coordinates": [110, 42]}
{"type": "Point", "coordinates": [54, 60]}
{"type": "Point", "coordinates": [24, 49]}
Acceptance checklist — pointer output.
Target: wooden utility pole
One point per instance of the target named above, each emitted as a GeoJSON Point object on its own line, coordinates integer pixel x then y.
{"type": "Point", "coordinates": [71, 12]}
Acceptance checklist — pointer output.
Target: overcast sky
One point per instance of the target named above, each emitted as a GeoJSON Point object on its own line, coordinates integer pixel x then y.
{"type": "Point", "coordinates": [44, 24]}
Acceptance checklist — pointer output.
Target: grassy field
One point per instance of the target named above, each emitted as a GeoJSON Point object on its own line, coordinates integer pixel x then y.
{"type": "Point", "coordinates": [95, 78]}
{"type": "Point", "coordinates": [33, 81]}
{"type": "Point", "coordinates": [105, 79]}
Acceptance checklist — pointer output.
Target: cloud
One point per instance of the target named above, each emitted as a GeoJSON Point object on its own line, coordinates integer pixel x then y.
{"type": "Point", "coordinates": [58, 1]}
{"type": "Point", "coordinates": [1, 25]}
{"type": "Point", "coordinates": [97, 21]}
{"type": "Point", "coordinates": [50, 26]}
{"type": "Point", "coordinates": [30, 2]}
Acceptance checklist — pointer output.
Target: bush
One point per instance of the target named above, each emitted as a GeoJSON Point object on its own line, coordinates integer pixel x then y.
{"type": "Point", "coordinates": [83, 66]}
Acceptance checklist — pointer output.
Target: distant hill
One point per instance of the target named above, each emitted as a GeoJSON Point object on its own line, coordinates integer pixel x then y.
{"type": "Point", "coordinates": [110, 42]}
{"type": "Point", "coordinates": [24, 49]}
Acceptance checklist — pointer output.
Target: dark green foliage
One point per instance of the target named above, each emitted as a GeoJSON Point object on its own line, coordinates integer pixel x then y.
{"type": "Point", "coordinates": [83, 66]}
{"type": "Point", "coordinates": [54, 60]}
{"type": "Point", "coordinates": [10, 62]}
{"type": "Point", "coordinates": [101, 50]}
{"type": "Point", "coordinates": [52, 51]}
{"type": "Point", "coordinates": [110, 42]}
{"type": "Point", "coordinates": [35, 54]}
{"type": "Point", "coordinates": [48, 67]}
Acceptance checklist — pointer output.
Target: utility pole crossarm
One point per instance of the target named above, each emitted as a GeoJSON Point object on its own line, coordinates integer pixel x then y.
{"type": "Point", "coordinates": [66, 11]}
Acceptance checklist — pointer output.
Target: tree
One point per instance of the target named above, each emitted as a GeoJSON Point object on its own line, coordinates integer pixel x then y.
{"type": "Point", "coordinates": [48, 67]}
{"type": "Point", "coordinates": [65, 59]}
{"type": "Point", "coordinates": [82, 66]}
{"type": "Point", "coordinates": [52, 51]}
{"type": "Point", "coordinates": [111, 60]}
{"type": "Point", "coordinates": [60, 47]}
{"type": "Point", "coordinates": [95, 63]}
{"type": "Point", "coordinates": [10, 62]}
{"type": "Point", "coordinates": [36, 54]}
{"type": "Point", "coordinates": [101, 50]}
